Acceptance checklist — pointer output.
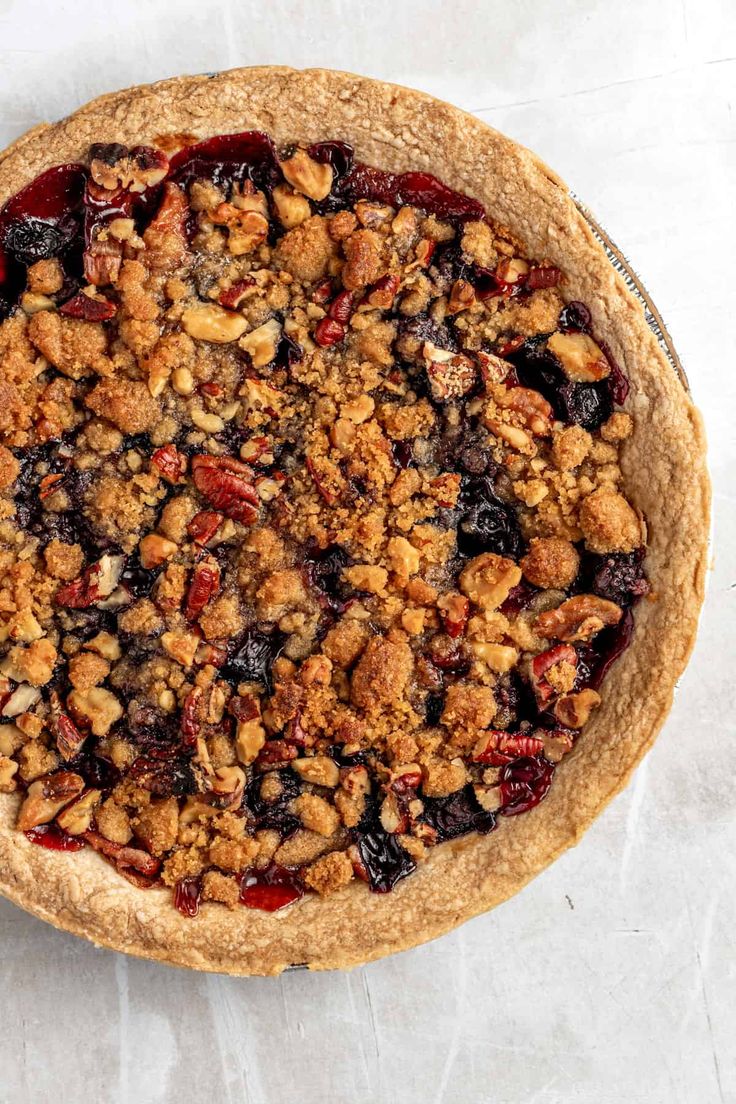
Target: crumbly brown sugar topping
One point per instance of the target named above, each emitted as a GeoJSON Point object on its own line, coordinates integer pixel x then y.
{"type": "Point", "coordinates": [315, 544]}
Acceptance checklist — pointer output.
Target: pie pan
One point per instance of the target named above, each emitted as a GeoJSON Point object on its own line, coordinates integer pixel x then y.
{"type": "Point", "coordinates": [664, 468]}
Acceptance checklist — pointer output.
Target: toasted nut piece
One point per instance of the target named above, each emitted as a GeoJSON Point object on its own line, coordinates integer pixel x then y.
{"type": "Point", "coordinates": [106, 645]}
{"type": "Point", "coordinates": [581, 359]}
{"type": "Point", "coordinates": [359, 410]}
{"type": "Point", "coordinates": [488, 579]}
{"type": "Point", "coordinates": [451, 375]}
{"type": "Point", "coordinates": [182, 381]}
{"type": "Point", "coordinates": [262, 343]}
{"type": "Point", "coordinates": [573, 710]}
{"type": "Point", "coordinates": [492, 368]}
{"type": "Point", "coordinates": [462, 296]}
{"type": "Point", "coordinates": [403, 557]}
{"type": "Point", "coordinates": [307, 175]}
{"type": "Point", "coordinates": [498, 657]}
{"type": "Point", "coordinates": [22, 699]}
{"type": "Point", "coordinates": [517, 438]}
{"type": "Point", "coordinates": [77, 817]}
{"type": "Point", "coordinates": [291, 208]}
{"type": "Point", "coordinates": [181, 646]}
{"type": "Point", "coordinates": [206, 421]}
{"type": "Point", "coordinates": [229, 782]}
{"type": "Point", "coordinates": [342, 434]}
{"type": "Point", "coordinates": [155, 550]}
{"type": "Point", "coordinates": [551, 563]}
{"type": "Point", "coordinates": [24, 627]}
{"type": "Point", "coordinates": [250, 737]}
{"type": "Point", "coordinates": [210, 322]}
{"type": "Point", "coordinates": [512, 269]}
{"type": "Point", "coordinates": [532, 407]}
{"type": "Point", "coordinates": [393, 818]}
{"type": "Point", "coordinates": [97, 707]}
{"type": "Point", "coordinates": [320, 770]}
{"type": "Point", "coordinates": [8, 770]}
{"type": "Point", "coordinates": [557, 743]}
{"type": "Point", "coordinates": [578, 618]}
{"type": "Point", "coordinates": [46, 797]}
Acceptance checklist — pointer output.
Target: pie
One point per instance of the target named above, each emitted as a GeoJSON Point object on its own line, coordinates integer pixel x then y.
{"type": "Point", "coordinates": [353, 523]}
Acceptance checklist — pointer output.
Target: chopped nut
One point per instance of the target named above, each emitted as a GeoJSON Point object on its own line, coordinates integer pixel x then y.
{"type": "Point", "coordinates": [573, 710]}
{"type": "Point", "coordinates": [46, 797]}
{"type": "Point", "coordinates": [210, 322]}
{"type": "Point", "coordinates": [307, 176]}
{"type": "Point", "coordinates": [581, 359]}
{"type": "Point", "coordinates": [488, 579]}
{"type": "Point", "coordinates": [181, 646]}
{"type": "Point", "coordinates": [96, 707]}
{"type": "Point", "coordinates": [320, 770]}
{"type": "Point", "coordinates": [8, 770]}
{"type": "Point", "coordinates": [262, 343]}
{"type": "Point", "coordinates": [578, 618]}
{"type": "Point", "coordinates": [249, 739]}
{"type": "Point", "coordinates": [77, 817]}
{"type": "Point", "coordinates": [155, 550]}
{"type": "Point", "coordinates": [291, 208]}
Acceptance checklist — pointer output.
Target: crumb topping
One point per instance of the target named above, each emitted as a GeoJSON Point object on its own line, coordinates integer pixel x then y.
{"type": "Point", "coordinates": [314, 543]}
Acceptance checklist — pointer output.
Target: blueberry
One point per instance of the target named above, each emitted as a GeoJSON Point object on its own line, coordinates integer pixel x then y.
{"type": "Point", "coordinates": [487, 524]}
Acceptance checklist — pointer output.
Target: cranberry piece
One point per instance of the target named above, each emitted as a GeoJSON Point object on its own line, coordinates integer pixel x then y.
{"type": "Point", "coordinates": [30, 240]}
{"type": "Point", "coordinates": [524, 783]}
{"type": "Point", "coordinates": [187, 895]}
{"type": "Point", "coordinates": [519, 598]}
{"type": "Point", "coordinates": [413, 189]}
{"type": "Point", "coordinates": [253, 657]}
{"type": "Point", "coordinates": [542, 276]}
{"type": "Point", "coordinates": [271, 889]}
{"type": "Point", "coordinates": [456, 815]}
{"type": "Point", "coordinates": [618, 384]}
{"type": "Point", "coordinates": [138, 581]}
{"type": "Point", "coordinates": [487, 524]}
{"type": "Point", "coordinates": [87, 308]}
{"type": "Point", "coordinates": [597, 657]}
{"type": "Point", "coordinates": [288, 352]}
{"type": "Point", "coordinates": [337, 154]}
{"type": "Point", "coordinates": [383, 860]}
{"type": "Point", "coordinates": [403, 453]}
{"type": "Point", "coordinates": [51, 197]}
{"type": "Point", "coordinates": [227, 159]}
{"type": "Point", "coordinates": [575, 316]}
{"type": "Point", "coordinates": [54, 838]}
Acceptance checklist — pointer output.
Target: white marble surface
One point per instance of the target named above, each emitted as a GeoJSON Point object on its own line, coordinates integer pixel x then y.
{"type": "Point", "coordinates": [613, 977]}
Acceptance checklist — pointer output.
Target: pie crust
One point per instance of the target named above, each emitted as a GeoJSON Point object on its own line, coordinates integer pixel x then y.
{"type": "Point", "coordinates": [666, 479]}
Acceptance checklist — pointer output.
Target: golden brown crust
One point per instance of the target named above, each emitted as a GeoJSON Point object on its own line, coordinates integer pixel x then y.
{"type": "Point", "coordinates": [664, 465]}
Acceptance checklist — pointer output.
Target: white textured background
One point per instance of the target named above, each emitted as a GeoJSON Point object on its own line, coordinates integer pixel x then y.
{"type": "Point", "coordinates": [613, 977]}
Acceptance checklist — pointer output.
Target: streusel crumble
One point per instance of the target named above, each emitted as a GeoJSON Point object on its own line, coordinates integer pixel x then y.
{"type": "Point", "coordinates": [315, 544]}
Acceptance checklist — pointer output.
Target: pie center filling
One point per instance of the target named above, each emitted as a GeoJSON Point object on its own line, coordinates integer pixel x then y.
{"type": "Point", "coordinates": [315, 551]}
